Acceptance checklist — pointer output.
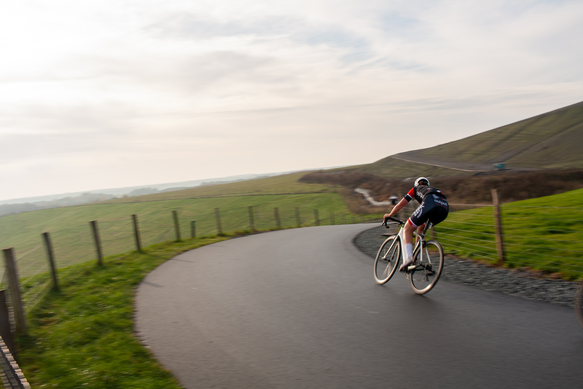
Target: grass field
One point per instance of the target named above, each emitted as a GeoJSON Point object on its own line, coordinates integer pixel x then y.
{"type": "Point", "coordinates": [544, 234]}
{"type": "Point", "coordinates": [73, 241]}
{"type": "Point", "coordinates": [278, 185]}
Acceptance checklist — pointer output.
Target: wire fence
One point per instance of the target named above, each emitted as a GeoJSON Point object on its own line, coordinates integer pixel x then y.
{"type": "Point", "coordinates": [121, 235]}
{"type": "Point", "coordinates": [544, 239]}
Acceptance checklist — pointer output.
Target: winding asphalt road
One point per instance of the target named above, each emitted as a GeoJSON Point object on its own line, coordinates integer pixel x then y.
{"type": "Point", "coordinates": [300, 309]}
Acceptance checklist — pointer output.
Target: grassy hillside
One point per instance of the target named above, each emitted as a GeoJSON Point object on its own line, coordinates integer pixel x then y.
{"type": "Point", "coordinates": [279, 185]}
{"type": "Point", "coordinates": [544, 234]}
{"type": "Point", "coordinates": [552, 140]}
{"type": "Point", "coordinates": [391, 167]}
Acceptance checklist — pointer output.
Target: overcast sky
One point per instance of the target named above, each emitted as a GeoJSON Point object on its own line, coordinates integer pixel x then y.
{"type": "Point", "coordinates": [102, 94]}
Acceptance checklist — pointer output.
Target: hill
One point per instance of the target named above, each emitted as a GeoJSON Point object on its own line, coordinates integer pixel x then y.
{"type": "Point", "coordinates": [278, 185]}
{"type": "Point", "coordinates": [552, 140]}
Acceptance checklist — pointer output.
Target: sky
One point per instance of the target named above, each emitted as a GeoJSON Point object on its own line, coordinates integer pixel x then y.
{"type": "Point", "coordinates": [123, 93]}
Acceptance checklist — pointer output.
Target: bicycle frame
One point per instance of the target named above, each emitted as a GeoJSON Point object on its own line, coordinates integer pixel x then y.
{"type": "Point", "coordinates": [420, 243]}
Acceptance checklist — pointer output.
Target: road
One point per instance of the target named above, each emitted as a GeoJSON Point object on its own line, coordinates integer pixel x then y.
{"type": "Point", "coordinates": [414, 157]}
{"type": "Point", "coordinates": [300, 309]}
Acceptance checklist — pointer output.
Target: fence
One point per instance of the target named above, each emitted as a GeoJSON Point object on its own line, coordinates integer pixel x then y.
{"type": "Point", "coordinates": [32, 272]}
{"type": "Point", "coordinates": [547, 239]}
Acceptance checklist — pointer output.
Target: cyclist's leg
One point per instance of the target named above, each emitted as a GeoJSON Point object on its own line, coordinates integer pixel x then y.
{"type": "Point", "coordinates": [407, 244]}
{"type": "Point", "coordinates": [415, 222]}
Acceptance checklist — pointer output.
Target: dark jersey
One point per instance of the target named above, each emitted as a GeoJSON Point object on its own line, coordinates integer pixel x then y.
{"type": "Point", "coordinates": [434, 206]}
{"type": "Point", "coordinates": [421, 191]}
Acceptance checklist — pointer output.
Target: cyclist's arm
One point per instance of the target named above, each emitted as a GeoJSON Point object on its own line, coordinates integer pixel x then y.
{"type": "Point", "coordinates": [400, 205]}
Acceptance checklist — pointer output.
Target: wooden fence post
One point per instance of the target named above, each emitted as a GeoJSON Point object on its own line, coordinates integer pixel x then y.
{"type": "Point", "coordinates": [137, 233]}
{"type": "Point", "coordinates": [316, 217]}
{"type": "Point", "coordinates": [5, 330]}
{"type": "Point", "coordinates": [498, 221]}
{"type": "Point", "coordinates": [218, 219]}
{"type": "Point", "coordinates": [176, 226]}
{"type": "Point", "coordinates": [193, 229]}
{"type": "Point", "coordinates": [14, 287]}
{"type": "Point", "coordinates": [51, 257]}
{"type": "Point", "coordinates": [95, 229]}
{"type": "Point", "coordinates": [298, 220]}
{"type": "Point", "coordinates": [277, 220]}
{"type": "Point", "coordinates": [251, 218]}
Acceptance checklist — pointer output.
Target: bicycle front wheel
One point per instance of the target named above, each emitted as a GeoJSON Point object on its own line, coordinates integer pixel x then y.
{"type": "Point", "coordinates": [387, 259]}
{"type": "Point", "coordinates": [579, 304]}
{"type": "Point", "coordinates": [424, 277]}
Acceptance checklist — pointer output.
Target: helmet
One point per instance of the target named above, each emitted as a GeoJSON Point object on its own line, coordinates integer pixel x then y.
{"type": "Point", "coordinates": [421, 180]}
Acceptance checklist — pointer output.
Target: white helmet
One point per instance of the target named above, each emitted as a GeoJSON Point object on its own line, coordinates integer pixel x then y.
{"type": "Point", "coordinates": [420, 180]}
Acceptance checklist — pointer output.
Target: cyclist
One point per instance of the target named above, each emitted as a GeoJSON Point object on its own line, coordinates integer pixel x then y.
{"type": "Point", "coordinates": [434, 207]}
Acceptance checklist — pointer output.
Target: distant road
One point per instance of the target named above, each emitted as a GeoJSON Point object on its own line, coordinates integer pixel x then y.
{"type": "Point", "coordinates": [411, 156]}
{"type": "Point", "coordinates": [448, 165]}
{"type": "Point", "coordinates": [299, 309]}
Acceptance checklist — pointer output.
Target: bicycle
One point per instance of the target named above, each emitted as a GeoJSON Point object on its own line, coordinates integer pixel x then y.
{"type": "Point", "coordinates": [426, 268]}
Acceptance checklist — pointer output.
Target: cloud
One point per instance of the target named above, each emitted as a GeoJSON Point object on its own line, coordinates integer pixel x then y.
{"type": "Point", "coordinates": [140, 91]}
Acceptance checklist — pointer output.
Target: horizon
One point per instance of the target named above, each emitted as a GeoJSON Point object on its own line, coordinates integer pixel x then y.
{"type": "Point", "coordinates": [114, 94]}
{"type": "Point", "coordinates": [163, 185]}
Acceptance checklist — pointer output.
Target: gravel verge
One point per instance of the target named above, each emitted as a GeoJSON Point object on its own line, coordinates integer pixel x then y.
{"type": "Point", "coordinates": [519, 283]}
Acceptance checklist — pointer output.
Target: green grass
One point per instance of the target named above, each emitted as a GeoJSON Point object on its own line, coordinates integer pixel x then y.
{"type": "Point", "coordinates": [544, 234]}
{"type": "Point", "coordinates": [550, 140]}
{"type": "Point", "coordinates": [278, 185]}
{"type": "Point", "coordinates": [391, 167]}
{"type": "Point", "coordinates": [82, 337]}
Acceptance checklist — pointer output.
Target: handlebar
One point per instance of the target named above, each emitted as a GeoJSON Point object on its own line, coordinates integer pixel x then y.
{"type": "Point", "coordinates": [393, 219]}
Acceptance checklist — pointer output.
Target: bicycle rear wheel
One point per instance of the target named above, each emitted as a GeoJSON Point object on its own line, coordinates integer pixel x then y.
{"type": "Point", "coordinates": [424, 277]}
{"type": "Point", "coordinates": [387, 259]}
{"type": "Point", "coordinates": [579, 304]}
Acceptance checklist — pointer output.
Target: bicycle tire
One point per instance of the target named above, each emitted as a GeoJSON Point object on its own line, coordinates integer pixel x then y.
{"type": "Point", "coordinates": [579, 304]}
{"type": "Point", "coordinates": [424, 277]}
{"type": "Point", "coordinates": [387, 259]}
